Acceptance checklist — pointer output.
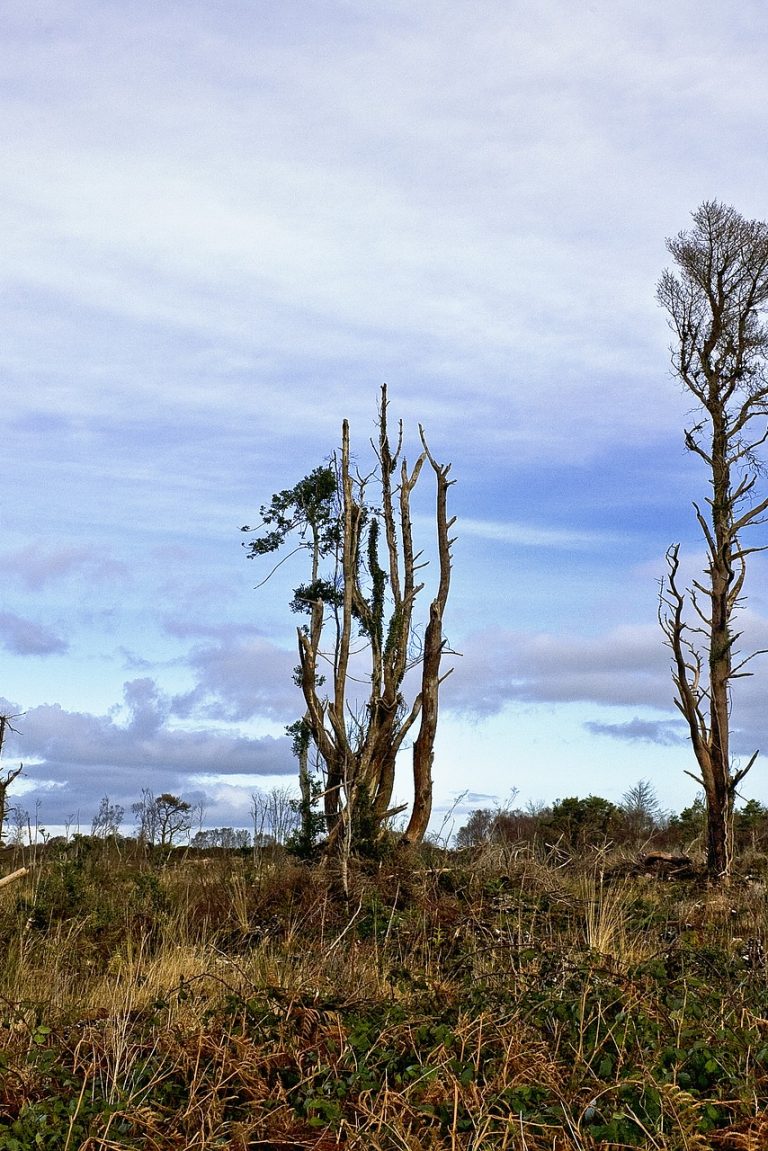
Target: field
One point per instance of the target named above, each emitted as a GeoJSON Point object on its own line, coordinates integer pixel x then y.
{"type": "Point", "coordinates": [457, 1001]}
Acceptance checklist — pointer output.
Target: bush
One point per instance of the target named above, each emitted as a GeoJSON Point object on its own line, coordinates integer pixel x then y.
{"type": "Point", "coordinates": [576, 823]}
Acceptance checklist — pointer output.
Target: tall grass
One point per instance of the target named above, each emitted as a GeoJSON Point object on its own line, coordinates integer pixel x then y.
{"type": "Point", "coordinates": [452, 1002]}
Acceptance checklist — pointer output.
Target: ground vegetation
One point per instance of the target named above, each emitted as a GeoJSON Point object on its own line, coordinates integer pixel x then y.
{"type": "Point", "coordinates": [512, 994]}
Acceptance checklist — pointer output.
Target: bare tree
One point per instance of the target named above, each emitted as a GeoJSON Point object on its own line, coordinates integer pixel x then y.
{"type": "Point", "coordinates": [361, 722]}
{"type": "Point", "coordinates": [7, 779]}
{"type": "Point", "coordinates": [642, 809]}
{"type": "Point", "coordinates": [163, 819]}
{"type": "Point", "coordinates": [716, 298]}
{"type": "Point", "coordinates": [19, 825]}
{"type": "Point", "coordinates": [145, 817]}
{"type": "Point", "coordinates": [107, 820]}
{"type": "Point", "coordinates": [275, 815]}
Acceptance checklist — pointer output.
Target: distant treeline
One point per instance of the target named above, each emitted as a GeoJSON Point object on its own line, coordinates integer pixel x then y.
{"type": "Point", "coordinates": [573, 824]}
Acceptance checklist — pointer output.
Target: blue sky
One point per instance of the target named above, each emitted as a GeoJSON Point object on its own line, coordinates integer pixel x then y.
{"type": "Point", "coordinates": [224, 227]}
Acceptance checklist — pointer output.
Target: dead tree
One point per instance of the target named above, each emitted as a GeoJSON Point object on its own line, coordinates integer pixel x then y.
{"type": "Point", "coordinates": [359, 720]}
{"type": "Point", "coordinates": [716, 298]}
{"type": "Point", "coordinates": [10, 775]}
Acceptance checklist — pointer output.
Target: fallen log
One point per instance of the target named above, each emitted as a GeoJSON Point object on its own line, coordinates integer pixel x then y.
{"type": "Point", "coordinates": [666, 864]}
{"type": "Point", "coordinates": [22, 871]}
{"type": "Point", "coordinates": [666, 859]}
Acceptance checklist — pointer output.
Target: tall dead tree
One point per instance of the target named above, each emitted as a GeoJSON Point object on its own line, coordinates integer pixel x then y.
{"type": "Point", "coordinates": [716, 299]}
{"type": "Point", "coordinates": [358, 719]}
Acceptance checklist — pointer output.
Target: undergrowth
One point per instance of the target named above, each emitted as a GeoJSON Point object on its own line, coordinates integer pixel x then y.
{"type": "Point", "coordinates": [454, 1002]}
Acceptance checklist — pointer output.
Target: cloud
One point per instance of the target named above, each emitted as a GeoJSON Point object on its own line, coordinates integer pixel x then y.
{"type": "Point", "coordinates": [24, 637]}
{"type": "Point", "coordinates": [137, 745]}
{"type": "Point", "coordinates": [531, 535]}
{"type": "Point", "coordinates": [226, 632]}
{"type": "Point", "coordinates": [239, 679]}
{"type": "Point", "coordinates": [345, 211]}
{"type": "Point", "coordinates": [626, 666]}
{"type": "Point", "coordinates": [147, 740]}
{"type": "Point", "coordinates": [35, 566]}
{"type": "Point", "coordinates": [665, 733]}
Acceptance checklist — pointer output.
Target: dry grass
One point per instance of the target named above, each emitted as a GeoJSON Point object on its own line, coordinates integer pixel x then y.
{"type": "Point", "coordinates": [514, 1005]}
{"type": "Point", "coordinates": [608, 926]}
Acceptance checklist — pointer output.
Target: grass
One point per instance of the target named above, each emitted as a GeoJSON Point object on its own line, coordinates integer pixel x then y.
{"type": "Point", "coordinates": [458, 1001]}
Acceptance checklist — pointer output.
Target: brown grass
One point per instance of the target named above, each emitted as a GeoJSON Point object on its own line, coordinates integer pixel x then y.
{"type": "Point", "coordinates": [452, 1003]}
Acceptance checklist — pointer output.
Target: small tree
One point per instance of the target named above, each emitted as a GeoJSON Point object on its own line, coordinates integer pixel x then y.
{"type": "Point", "coordinates": [107, 820]}
{"type": "Point", "coordinates": [145, 817]}
{"type": "Point", "coordinates": [275, 815]}
{"type": "Point", "coordinates": [308, 510]}
{"type": "Point", "coordinates": [163, 819]}
{"type": "Point", "coordinates": [225, 838]}
{"type": "Point", "coordinates": [642, 810]}
{"type": "Point", "coordinates": [751, 825]}
{"type": "Point", "coordinates": [501, 824]}
{"type": "Point", "coordinates": [690, 824]}
{"type": "Point", "coordinates": [174, 818]}
{"type": "Point", "coordinates": [19, 825]}
{"type": "Point", "coordinates": [365, 602]}
{"type": "Point", "coordinates": [716, 300]}
{"type": "Point", "coordinates": [478, 829]}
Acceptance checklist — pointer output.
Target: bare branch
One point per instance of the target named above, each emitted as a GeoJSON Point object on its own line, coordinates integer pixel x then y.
{"type": "Point", "coordinates": [737, 776]}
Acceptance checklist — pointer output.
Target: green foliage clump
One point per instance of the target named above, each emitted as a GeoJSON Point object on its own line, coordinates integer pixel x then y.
{"type": "Point", "coordinates": [303, 841]}
{"type": "Point", "coordinates": [575, 823]}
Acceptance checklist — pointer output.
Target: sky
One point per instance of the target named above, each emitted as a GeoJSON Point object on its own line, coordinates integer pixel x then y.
{"type": "Point", "coordinates": [225, 225]}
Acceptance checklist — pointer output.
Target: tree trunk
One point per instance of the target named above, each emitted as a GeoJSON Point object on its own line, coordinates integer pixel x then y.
{"type": "Point", "coordinates": [719, 831]}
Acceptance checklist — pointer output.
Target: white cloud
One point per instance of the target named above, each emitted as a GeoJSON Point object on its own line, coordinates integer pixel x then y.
{"type": "Point", "coordinates": [312, 206]}
{"type": "Point", "coordinates": [242, 679]}
{"type": "Point", "coordinates": [627, 666]}
{"type": "Point", "coordinates": [531, 535]}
